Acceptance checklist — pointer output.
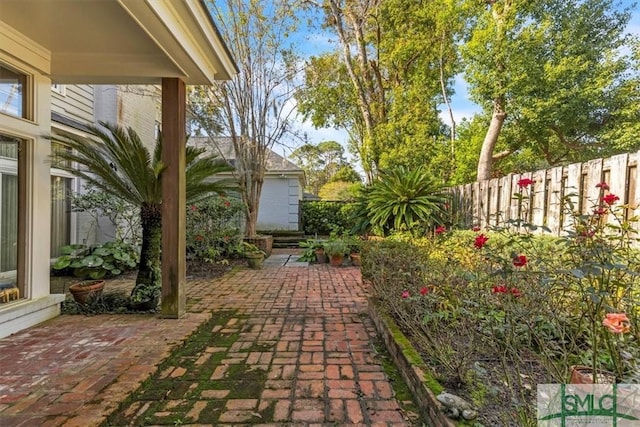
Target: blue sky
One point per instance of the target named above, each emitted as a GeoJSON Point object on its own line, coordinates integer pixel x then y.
{"type": "Point", "coordinates": [461, 105]}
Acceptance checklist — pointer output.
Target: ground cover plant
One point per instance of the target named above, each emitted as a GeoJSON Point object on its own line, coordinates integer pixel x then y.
{"type": "Point", "coordinates": [498, 311]}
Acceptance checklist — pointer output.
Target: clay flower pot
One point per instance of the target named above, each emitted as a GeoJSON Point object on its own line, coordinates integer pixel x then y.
{"type": "Point", "coordinates": [321, 257]}
{"type": "Point", "coordinates": [355, 259]}
{"type": "Point", "coordinates": [84, 292]}
{"type": "Point", "coordinates": [584, 375]}
{"type": "Point", "coordinates": [336, 260]}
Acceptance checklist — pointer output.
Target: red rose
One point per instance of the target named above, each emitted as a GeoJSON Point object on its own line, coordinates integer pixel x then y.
{"type": "Point", "coordinates": [603, 186]}
{"type": "Point", "coordinates": [599, 211]}
{"type": "Point", "coordinates": [405, 294]}
{"type": "Point", "coordinates": [480, 241]}
{"type": "Point", "coordinates": [424, 290]}
{"type": "Point", "coordinates": [441, 229]}
{"type": "Point", "coordinates": [227, 203]}
{"type": "Point", "coordinates": [610, 199]}
{"type": "Point", "coordinates": [194, 208]}
{"type": "Point", "coordinates": [586, 233]}
{"type": "Point", "coordinates": [520, 260]}
{"type": "Point", "coordinates": [525, 182]}
{"type": "Point", "coordinates": [499, 289]}
{"type": "Point", "coordinates": [515, 292]}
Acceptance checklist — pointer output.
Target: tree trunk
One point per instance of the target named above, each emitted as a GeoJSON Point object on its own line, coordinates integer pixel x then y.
{"type": "Point", "coordinates": [491, 138]}
{"type": "Point", "coordinates": [148, 279]}
{"type": "Point", "coordinates": [252, 220]}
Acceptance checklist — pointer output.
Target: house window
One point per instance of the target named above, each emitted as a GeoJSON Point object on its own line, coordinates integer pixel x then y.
{"type": "Point", "coordinates": [61, 184]}
{"type": "Point", "coordinates": [13, 87]}
{"type": "Point", "coordinates": [60, 214]}
{"type": "Point", "coordinates": [9, 147]}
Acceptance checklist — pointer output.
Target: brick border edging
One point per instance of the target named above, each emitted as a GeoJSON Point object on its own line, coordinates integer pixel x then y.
{"type": "Point", "coordinates": [413, 375]}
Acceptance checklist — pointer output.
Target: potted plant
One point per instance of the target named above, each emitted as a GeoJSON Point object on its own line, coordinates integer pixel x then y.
{"type": "Point", "coordinates": [321, 256]}
{"type": "Point", "coordinates": [92, 264]}
{"type": "Point", "coordinates": [354, 249]}
{"type": "Point", "coordinates": [336, 249]}
{"type": "Point", "coordinates": [86, 291]}
{"type": "Point", "coordinates": [312, 251]}
{"type": "Point", "coordinates": [253, 254]}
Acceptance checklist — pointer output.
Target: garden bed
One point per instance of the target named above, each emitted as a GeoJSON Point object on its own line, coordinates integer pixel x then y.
{"type": "Point", "coordinates": [493, 315]}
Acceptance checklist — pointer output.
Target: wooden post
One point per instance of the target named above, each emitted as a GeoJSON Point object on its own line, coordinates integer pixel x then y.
{"type": "Point", "coordinates": [173, 197]}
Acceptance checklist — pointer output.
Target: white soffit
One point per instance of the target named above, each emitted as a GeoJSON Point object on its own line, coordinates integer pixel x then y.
{"type": "Point", "coordinates": [123, 41]}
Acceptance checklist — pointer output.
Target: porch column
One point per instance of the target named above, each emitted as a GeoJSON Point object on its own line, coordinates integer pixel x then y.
{"type": "Point", "coordinates": [173, 197]}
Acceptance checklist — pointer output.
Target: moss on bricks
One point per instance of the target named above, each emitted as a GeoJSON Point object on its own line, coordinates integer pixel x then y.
{"type": "Point", "coordinates": [412, 356]}
{"type": "Point", "coordinates": [140, 407]}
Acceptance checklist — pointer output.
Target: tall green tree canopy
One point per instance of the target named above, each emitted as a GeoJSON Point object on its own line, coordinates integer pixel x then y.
{"type": "Point", "coordinates": [385, 80]}
{"type": "Point", "coordinates": [553, 73]}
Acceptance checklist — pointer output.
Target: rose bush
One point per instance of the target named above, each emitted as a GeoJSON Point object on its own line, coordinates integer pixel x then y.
{"type": "Point", "coordinates": [499, 311]}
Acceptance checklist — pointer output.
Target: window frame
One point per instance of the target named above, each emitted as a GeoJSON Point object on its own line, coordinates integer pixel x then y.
{"type": "Point", "coordinates": [28, 98]}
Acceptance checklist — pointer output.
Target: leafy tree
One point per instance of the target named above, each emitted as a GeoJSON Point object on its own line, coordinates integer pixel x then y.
{"type": "Point", "coordinates": [254, 107]}
{"type": "Point", "coordinates": [552, 70]}
{"type": "Point", "coordinates": [117, 162]}
{"type": "Point", "coordinates": [339, 190]}
{"type": "Point", "coordinates": [405, 200]}
{"type": "Point", "coordinates": [323, 163]}
{"type": "Point", "coordinates": [346, 173]}
{"type": "Point", "coordinates": [395, 64]}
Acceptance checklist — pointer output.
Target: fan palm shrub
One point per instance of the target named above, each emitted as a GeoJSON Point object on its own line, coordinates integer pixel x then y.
{"type": "Point", "coordinates": [117, 162]}
{"type": "Point", "coordinates": [405, 200]}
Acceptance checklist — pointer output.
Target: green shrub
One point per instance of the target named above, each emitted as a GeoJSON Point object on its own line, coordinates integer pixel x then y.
{"type": "Point", "coordinates": [214, 228]}
{"type": "Point", "coordinates": [325, 218]}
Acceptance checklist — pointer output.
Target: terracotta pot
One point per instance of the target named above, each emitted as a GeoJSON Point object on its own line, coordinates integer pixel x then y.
{"type": "Point", "coordinates": [584, 375]}
{"type": "Point", "coordinates": [321, 257]}
{"type": "Point", "coordinates": [336, 260]}
{"type": "Point", "coordinates": [355, 260]}
{"type": "Point", "coordinates": [84, 292]}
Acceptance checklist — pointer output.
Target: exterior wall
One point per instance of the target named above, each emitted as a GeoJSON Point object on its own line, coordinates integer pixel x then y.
{"type": "Point", "coordinates": [279, 203]}
{"type": "Point", "coordinates": [140, 108]}
{"type": "Point", "coordinates": [136, 106]}
{"type": "Point", "coordinates": [74, 102]}
{"type": "Point", "coordinates": [37, 304]}
{"type": "Point", "coordinates": [106, 98]}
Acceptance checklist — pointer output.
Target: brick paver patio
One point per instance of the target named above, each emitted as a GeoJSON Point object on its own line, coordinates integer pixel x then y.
{"type": "Point", "coordinates": [289, 345]}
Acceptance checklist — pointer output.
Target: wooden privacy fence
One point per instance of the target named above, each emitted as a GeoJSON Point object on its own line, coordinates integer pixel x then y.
{"type": "Point", "coordinates": [492, 202]}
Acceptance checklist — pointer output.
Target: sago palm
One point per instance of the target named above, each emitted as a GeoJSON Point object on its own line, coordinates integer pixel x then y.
{"type": "Point", "coordinates": [402, 199]}
{"type": "Point", "coordinates": [117, 162]}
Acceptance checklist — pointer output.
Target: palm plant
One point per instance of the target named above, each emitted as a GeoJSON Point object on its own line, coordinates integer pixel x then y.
{"type": "Point", "coordinates": [403, 199]}
{"type": "Point", "coordinates": [117, 162]}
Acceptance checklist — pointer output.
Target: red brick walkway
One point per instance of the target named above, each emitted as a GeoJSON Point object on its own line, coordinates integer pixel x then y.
{"type": "Point", "coordinates": [303, 326]}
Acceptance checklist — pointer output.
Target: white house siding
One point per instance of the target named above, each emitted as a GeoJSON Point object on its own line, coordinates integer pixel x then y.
{"type": "Point", "coordinates": [76, 103]}
{"type": "Point", "coordinates": [279, 203]}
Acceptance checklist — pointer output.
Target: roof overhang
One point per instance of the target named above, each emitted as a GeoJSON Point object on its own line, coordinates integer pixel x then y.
{"type": "Point", "coordinates": [122, 41]}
